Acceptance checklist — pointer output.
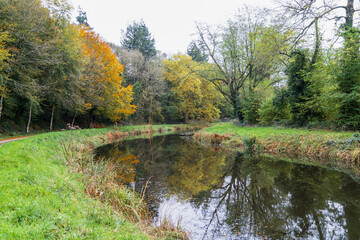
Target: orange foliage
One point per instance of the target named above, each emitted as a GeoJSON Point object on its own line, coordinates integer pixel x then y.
{"type": "Point", "coordinates": [104, 90]}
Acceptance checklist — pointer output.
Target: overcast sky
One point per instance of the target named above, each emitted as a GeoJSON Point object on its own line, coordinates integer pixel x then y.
{"type": "Point", "coordinates": [170, 22]}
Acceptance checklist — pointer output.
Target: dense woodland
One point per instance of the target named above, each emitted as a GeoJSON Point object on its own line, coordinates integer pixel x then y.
{"type": "Point", "coordinates": [296, 65]}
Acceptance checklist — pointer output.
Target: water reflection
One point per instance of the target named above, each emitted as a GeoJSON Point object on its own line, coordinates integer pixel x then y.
{"type": "Point", "coordinates": [219, 195]}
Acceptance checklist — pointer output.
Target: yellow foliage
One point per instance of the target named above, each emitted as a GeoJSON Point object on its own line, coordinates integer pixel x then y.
{"type": "Point", "coordinates": [4, 54]}
{"type": "Point", "coordinates": [196, 96]}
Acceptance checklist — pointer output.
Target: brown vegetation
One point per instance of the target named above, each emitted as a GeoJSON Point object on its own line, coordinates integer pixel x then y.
{"type": "Point", "coordinates": [312, 147]}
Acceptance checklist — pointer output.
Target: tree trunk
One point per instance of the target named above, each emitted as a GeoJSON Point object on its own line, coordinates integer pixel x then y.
{"type": "Point", "coordinates": [237, 108]}
{"type": "Point", "coordinates": [349, 21]}
{"type": "Point", "coordinates": [350, 10]}
{"type": "Point", "coordinates": [150, 112]}
{"type": "Point", "coordinates": [317, 46]}
{"type": "Point", "coordinates": [29, 120]}
{"type": "Point", "coordinates": [73, 121]}
{"type": "Point", "coordinates": [91, 117]}
{"type": "Point", "coordinates": [1, 105]}
{"type": "Point", "coordinates": [52, 117]}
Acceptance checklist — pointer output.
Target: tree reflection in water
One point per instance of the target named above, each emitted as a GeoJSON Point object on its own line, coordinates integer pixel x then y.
{"type": "Point", "coordinates": [242, 196]}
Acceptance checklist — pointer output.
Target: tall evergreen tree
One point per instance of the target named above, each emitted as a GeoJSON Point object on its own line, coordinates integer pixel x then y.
{"type": "Point", "coordinates": [197, 53]}
{"type": "Point", "coordinates": [82, 17]}
{"type": "Point", "coordinates": [297, 86]}
{"type": "Point", "coordinates": [348, 81]}
{"type": "Point", "coordinates": [138, 37]}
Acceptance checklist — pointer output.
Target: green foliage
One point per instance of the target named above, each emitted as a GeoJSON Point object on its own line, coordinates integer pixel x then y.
{"type": "Point", "coordinates": [246, 53]}
{"type": "Point", "coordinates": [250, 108]}
{"type": "Point", "coordinates": [297, 85]}
{"type": "Point", "coordinates": [273, 112]}
{"type": "Point", "coordinates": [352, 141]}
{"type": "Point", "coordinates": [226, 109]}
{"type": "Point", "coordinates": [348, 80]}
{"type": "Point", "coordinates": [138, 37]}
{"type": "Point", "coordinates": [267, 113]}
{"type": "Point", "coordinates": [250, 144]}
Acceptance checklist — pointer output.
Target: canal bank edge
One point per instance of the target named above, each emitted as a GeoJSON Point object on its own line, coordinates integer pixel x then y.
{"type": "Point", "coordinates": [42, 199]}
{"type": "Point", "coordinates": [338, 150]}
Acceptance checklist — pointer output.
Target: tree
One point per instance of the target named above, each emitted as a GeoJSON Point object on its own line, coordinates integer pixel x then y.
{"type": "Point", "coordinates": [63, 77]}
{"type": "Point", "coordinates": [81, 18]}
{"type": "Point", "coordinates": [242, 54]}
{"type": "Point", "coordinates": [146, 77]}
{"type": "Point", "coordinates": [348, 83]}
{"type": "Point", "coordinates": [297, 86]}
{"type": "Point", "coordinates": [138, 37]}
{"type": "Point", "coordinates": [308, 13]}
{"type": "Point", "coordinates": [104, 90]}
{"type": "Point", "coordinates": [196, 53]}
{"type": "Point", "coordinates": [32, 32]}
{"type": "Point", "coordinates": [196, 97]}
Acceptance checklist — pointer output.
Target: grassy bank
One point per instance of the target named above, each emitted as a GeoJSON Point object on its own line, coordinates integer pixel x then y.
{"type": "Point", "coordinates": [339, 149]}
{"type": "Point", "coordinates": [45, 195]}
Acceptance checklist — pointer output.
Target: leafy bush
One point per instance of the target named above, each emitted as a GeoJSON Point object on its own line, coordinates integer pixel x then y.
{"type": "Point", "coordinates": [271, 113]}
{"type": "Point", "coordinates": [250, 108]}
{"type": "Point", "coordinates": [250, 145]}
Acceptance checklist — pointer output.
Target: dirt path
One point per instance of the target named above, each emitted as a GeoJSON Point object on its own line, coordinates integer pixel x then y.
{"type": "Point", "coordinates": [6, 140]}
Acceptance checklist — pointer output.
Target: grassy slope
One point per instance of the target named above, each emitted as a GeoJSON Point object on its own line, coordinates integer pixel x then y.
{"type": "Point", "coordinates": [41, 199]}
{"type": "Point", "coordinates": [326, 148]}
{"type": "Point", "coordinates": [272, 132]}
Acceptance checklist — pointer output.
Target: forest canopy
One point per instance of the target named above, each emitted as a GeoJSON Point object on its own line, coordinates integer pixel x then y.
{"type": "Point", "coordinates": [262, 66]}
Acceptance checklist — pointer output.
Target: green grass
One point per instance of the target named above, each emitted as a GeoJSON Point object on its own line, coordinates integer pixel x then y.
{"type": "Point", "coordinates": [272, 132]}
{"type": "Point", "coordinates": [41, 199]}
{"type": "Point", "coordinates": [340, 150]}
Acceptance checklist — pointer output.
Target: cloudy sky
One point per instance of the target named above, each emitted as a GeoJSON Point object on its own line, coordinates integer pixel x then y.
{"type": "Point", "coordinates": [171, 23]}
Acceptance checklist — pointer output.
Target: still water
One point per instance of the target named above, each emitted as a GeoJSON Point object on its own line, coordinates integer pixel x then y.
{"type": "Point", "coordinates": [214, 194]}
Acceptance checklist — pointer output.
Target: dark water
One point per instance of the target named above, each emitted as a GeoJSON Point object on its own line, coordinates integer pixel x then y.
{"type": "Point", "coordinates": [218, 195]}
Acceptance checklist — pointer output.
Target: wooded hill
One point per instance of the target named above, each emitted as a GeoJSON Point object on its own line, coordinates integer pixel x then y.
{"type": "Point", "coordinates": [263, 66]}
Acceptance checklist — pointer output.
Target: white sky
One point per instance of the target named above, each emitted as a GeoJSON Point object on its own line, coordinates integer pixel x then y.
{"type": "Point", "coordinates": [170, 22]}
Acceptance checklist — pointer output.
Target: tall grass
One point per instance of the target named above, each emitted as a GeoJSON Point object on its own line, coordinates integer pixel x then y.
{"type": "Point", "coordinates": [100, 177]}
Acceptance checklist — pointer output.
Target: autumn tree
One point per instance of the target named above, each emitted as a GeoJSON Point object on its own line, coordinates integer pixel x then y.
{"type": "Point", "coordinates": [138, 37]}
{"type": "Point", "coordinates": [197, 98]}
{"type": "Point", "coordinates": [104, 92]}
